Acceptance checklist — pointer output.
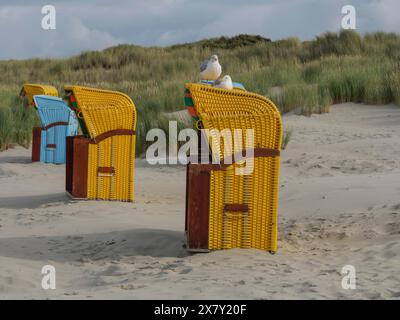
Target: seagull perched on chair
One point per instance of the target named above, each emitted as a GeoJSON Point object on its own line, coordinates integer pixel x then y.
{"type": "Point", "coordinates": [210, 69]}
{"type": "Point", "coordinates": [224, 83]}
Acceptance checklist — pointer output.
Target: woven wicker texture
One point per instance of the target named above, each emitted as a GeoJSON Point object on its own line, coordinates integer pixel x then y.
{"type": "Point", "coordinates": [236, 109]}
{"type": "Point", "coordinates": [30, 90]}
{"type": "Point", "coordinates": [104, 112]}
{"type": "Point", "coordinates": [58, 122]}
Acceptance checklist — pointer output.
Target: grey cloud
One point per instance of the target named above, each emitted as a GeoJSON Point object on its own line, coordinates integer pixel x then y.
{"type": "Point", "coordinates": [92, 25]}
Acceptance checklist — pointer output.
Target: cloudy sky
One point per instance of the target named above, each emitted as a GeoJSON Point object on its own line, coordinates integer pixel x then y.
{"type": "Point", "coordinates": [97, 24]}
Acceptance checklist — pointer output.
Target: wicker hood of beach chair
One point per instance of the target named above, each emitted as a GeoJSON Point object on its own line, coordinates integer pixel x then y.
{"type": "Point", "coordinates": [58, 122]}
{"type": "Point", "coordinates": [224, 209]}
{"type": "Point", "coordinates": [30, 90]}
{"type": "Point", "coordinates": [100, 164]}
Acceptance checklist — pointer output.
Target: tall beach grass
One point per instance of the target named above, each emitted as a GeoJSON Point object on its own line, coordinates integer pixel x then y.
{"type": "Point", "coordinates": [309, 76]}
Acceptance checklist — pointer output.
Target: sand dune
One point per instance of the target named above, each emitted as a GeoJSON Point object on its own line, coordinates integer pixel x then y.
{"type": "Point", "coordinates": [339, 205]}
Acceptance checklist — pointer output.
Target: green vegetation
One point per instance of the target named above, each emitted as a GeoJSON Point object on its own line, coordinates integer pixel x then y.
{"type": "Point", "coordinates": [241, 40]}
{"type": "Point", "coordinates": [309, 76]}
{"type": "Point", "coordinates": [16, 121]}
{"type": "Point", "coordinates": [287, 135]}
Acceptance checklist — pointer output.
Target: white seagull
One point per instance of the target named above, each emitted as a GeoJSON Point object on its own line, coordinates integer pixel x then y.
{"type": "Point", "coordinates": [224, 83]}
{"type": "Point", "coordinates": [210, 69]}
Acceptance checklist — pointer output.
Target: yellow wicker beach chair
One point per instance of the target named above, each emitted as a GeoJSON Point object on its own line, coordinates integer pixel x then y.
{"type": "Point", "coordinates": [224, 209]}
{"type": "Point", "coordinates": [30, 90]}
{"type": "Point", "coordinates": [100, 164]}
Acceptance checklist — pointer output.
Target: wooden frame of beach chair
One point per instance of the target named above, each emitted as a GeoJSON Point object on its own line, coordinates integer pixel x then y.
{"type": "Point", "coordinates": [223, 209]}
{"type": "Point", "coordinates": [100, 163]}
{"type": "Point", "coordinates": [58, 122]}
{"type": "Point", "coordinates": [29, 90]}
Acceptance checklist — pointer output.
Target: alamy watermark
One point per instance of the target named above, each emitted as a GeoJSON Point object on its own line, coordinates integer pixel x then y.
{"type": "Point", "coordinates": [349, 17]}
{"type": "Point", "coordinates": [49, 20]}
{"type": "Point", "coordinates": [226, 147]}
{"type": "Point", "coordinates": [49, 277]}
{"type": "Point", "coordinates": [349, 279]}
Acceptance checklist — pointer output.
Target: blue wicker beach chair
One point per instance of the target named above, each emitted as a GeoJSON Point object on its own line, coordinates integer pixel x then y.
{"type": "Point", "coordinates": [58, 122]}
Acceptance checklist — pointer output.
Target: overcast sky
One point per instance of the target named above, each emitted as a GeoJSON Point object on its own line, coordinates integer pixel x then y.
{"type": "Point", "coordinates": [97, 24]}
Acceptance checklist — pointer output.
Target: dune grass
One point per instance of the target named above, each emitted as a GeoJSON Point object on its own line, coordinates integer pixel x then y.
{"type": "Point", "coordinates": [309, 76]}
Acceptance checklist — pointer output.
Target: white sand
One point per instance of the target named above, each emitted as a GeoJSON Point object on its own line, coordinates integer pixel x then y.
{"type": "Point", "coordinates": [339, 205]}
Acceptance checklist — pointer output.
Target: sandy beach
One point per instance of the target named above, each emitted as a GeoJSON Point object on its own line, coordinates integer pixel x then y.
{"type": "Point", "coordinates": [339, 205]}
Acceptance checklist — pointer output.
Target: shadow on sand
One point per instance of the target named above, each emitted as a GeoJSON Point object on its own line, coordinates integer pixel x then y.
{"type": "Point", "coordinates": [98, 246]}
{"type": "Point", "coordinates": [33, 202]}
{"type": "Point", "coordinates": [16, 159]}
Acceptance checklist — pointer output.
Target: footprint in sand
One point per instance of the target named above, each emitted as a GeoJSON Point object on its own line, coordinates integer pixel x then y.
{"type": "Point", "coordinates": [373, 295]}
{"type": "Point", "coordinates": [186, 270]}
{"type": "Point", "coordinates": [396, 207]}
{"type": "Point", "coordinates": [392, 228]}
{"type": "Point", "coordinates": [75, 238]}
{"type": "Point", "coordinates": [113, 271]}
{"type": "Point", "coordinates": [288, 270]}
{"type": "Point", "coordinates": [394, 293]}
{"type": "Point", "coordinates": [131, 287]}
